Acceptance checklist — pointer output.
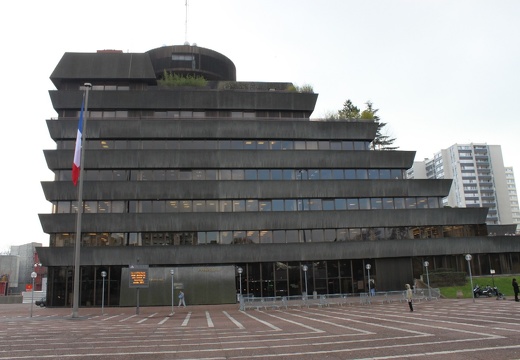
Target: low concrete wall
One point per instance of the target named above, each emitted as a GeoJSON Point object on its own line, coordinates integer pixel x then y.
{"type": "Point", "coordinates": [11, 299]}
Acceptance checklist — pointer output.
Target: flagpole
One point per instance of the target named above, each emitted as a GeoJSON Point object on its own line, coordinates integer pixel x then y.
{"type": "Point", "coordinates": [75, 302]}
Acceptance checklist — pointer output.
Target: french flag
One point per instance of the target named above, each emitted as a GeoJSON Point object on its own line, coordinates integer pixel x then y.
{"type": "Point", "coordinates": [76, 165]}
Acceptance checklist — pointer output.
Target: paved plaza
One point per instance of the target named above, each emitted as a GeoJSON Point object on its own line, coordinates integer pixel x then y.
{"type": "Point", "coordinates": [438, 329]}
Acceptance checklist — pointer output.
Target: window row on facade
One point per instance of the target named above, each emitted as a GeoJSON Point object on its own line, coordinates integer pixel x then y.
{"type": "Point", "coordinates": [253, 144]}
{"type": "Point", "coordinates": [248, 205]}
{"type": "Point", "coordinates": [186, 114]}
{"type": "Point", "coordinates": [234, 174]}
{"type": "Point", "coordinates": [267, 236]}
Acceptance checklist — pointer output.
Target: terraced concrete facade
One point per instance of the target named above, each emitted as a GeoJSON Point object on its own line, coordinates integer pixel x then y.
{"type": "Point", "coordinates": [204, 180]}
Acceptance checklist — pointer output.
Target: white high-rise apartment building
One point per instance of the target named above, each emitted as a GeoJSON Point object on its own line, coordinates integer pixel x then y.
{"type": "Point", "coordinates": [513, 198]}
{"type": "Point", "coordinates": [480, 179]}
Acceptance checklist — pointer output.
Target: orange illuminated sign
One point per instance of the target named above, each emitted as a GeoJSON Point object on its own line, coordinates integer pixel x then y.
{"type": "Point", "coordinates": [138, 276]}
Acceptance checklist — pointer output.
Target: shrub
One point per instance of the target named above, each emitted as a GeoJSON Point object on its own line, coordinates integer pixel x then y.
{"type": "Point", "coordinates": [172, 79]}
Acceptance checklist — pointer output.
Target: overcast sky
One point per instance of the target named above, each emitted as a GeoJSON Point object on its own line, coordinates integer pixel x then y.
{"type": "Point", "coordinates": [439, 71]}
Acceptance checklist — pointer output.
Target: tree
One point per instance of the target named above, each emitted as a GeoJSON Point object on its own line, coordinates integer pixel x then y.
{"type": "Point", "coordinates": [351, 112]}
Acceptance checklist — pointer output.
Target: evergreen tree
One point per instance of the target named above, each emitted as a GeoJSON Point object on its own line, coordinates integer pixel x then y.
{"type": "Point", "coordinates": [351, 112]}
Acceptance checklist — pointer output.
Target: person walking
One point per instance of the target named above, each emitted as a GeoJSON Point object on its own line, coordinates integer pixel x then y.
{"type": "Point", "coordinates": [409, 295]}
{"type": "Point", "coordinates": [515, 289]}
{"type": "Point", "coordinates": [181, 299]}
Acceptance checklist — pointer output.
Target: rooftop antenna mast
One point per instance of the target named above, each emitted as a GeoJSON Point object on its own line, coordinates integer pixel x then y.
{"type": "Point", "coordinates": [186, 25]}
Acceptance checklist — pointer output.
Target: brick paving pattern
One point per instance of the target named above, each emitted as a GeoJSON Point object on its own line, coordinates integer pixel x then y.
{"type": "Point", "coordinates": [439, 329]}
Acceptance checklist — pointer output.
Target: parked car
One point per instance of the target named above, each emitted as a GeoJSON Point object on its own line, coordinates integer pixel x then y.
{"type": "Point", "coordinates": [41, 303]}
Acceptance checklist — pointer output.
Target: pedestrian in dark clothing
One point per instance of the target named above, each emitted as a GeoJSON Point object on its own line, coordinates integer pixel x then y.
{"type": "Point", "coordinates": [515, 289]}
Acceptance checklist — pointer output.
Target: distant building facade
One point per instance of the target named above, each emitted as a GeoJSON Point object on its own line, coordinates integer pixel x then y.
{"type": "Point", "coordinates": [480, 179]}
{"type": "Point", "coordinates": [206, 180]}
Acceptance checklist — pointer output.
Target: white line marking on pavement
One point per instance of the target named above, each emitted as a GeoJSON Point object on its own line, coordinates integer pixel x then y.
{"type": "Point", "coordinates": [359, 331]}
{"type": "Point", "coordinates": [163, 320]}
{"type": "Point", "coordinates": [208, 319]}
{"type": "Point", "coordinates": [127, 318]}
{"type": "Point", "coordinates": [297, 323]}
{"type": "Point", "coordinates": [263, 322]}
{"type": "Point", "coordinates": [110, 317]}
{"type": "Point", "coordinates": [239, 325]}
{"type": "Point", "coordinates": [186, 320]}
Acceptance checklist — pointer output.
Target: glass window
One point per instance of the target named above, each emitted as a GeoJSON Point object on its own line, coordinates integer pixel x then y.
{"type": "Point", "coordinates": [185, 175]}
{"type": "Point", "coordinates": [350, 174]}
{"type": "Point", "coordinates": [172, 174]}
{"type": "Point", "coordinates": [355, 234]}
{"type": "Point", "coordinates": [211, 205]}
{"type": "Point", "coordinates": [185, 206]}
{"type": "Point", "coordinates": [399, 203]}
{"type": "Point", "coordinates": [263, 174]}
{"type": "Point", "coordinates": [275, 145]}
{"type": "Point", "coordinates": [291, 236]}
{"type": "Point", "coordinates": [253, 237]}
{"type": "Point", "coordinates": [199, 206]}
{"type": "Point", "coordinates": [325, 174]}
{"type": "Point", "coordinates": [226, 237]}
{"type": "Point", "coordinates": [342, 234]}
{"type": "Point", "coordinates": [262, 145]}
{"type": "Point", "coordinates": [373, 174]}
{"type": "Point", "coordinates": [422, 203]}
{"type": "Point", "coordinates": [211, 174]}
{"type": "Point", "coordinates": [328, 204]}
{"type": "Point", "coordinates": [239, 237]}
{"type": "Point", "coordinates": [158, 206]}
{"type": "Point", "coordinates": [276, 174]}
{"type": "Point", "coordinates": [396, 174]}
{"type": "Point", "coordinates": [279, 236]}
{"type": "Point", "coordinates": [324, 145]}
{"type": "Point", "coordinates": [225, 205]}
{"type": "Point", "coordinates": [361, 174]}
{"type": "Point", "coordinates": [172, 206]}
{"type": "Point", "coordinates": [199, 175]}
{"type": "Point", "coordinates": [266, 237]}
{"type": "Point", "coordinates": [225, 174]}
{"type": "Point", "coordinates": [352, 204]}
{"type": "Point", "coordinates": [63, 207]}
{"type": "Point", "coordinates": [264, 205]}
{"type": "Point", "coordinates": [338, 174]}
{"type": "Point", "coordinates": [410, 203]}
{"type": "Point", "coordinates": [348, 145]}
{"type": "Point", "coordinates": [312, 145]}
{"type": "Point", "coordinates": [388, 203]}
{"type": "Point", "coordinates": [376, 203]}
{"type": "Point", "coordinates": [252, 205]}
{"type": "Point", "coordinates": [433, 202]}
{"type": "Point", "coordinates": [118, 206]}
{"type": "Point", "coordinates": [201, 238]}
{"type": "Point", "coordinates": [237, 144]}
{"type": "Point", "coordinates": [239, 205]}
{"type": "Point", "coordinates": [290, 205]}
{"type": "Point", "coordinates": [249, 145]}
{"type": "Point", "coordinates": [384, 174]}
{"type": "Point", "coordinates": [359, 145]}
{"type": "Point", "coordinates": [287, 145]}
{"type": "Point", "coordinates": [288, 174]}
{"type": "Point", "coordinates": [313, 174]}
{"type": "Point", "coordinates": [335, 145]}
{"type": "Point", "coordinates": [364, 203]}
{"type": "Point", "coordinates": [212, 237]}
{"type": "Point", "coordinates": [224, 144]}
{"type": "Point", "coordinates": [299, 145]}
{"type": "Point", "coordinates": [340, 204]}
{"type": "Point", "coordinates": [250, 174]}
{"type": "Point", "coordinates": [237, 174]}
{"type": "Point", "coordinates": [315, 204]}
{"type": "Point", "coordinates": [317, 235]}
{"type": "Point", "coordinates": [277, 205]}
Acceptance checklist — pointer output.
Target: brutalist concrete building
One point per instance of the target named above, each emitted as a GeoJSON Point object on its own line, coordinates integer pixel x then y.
{"type": "Point", "coordinates": [205, 179]}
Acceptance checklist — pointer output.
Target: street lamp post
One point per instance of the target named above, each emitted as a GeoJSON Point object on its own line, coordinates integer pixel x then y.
{"type": "Point", "coordinates": [426, 264]}
{"type": "Point", "coordinates": [368, 267]}
{"type": "Point", "coordinates": [33, 276]}
{"type": "Point", "coordinates": [103, 276]}
{"type": "Point", "coordinates": [468, 258]}
{"type": "Point", "coordinates": [305, 268]}
{"type": "Point", "coordinates": [240, 270]}
{"type": "Point", "coordinates": [171, 273]}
